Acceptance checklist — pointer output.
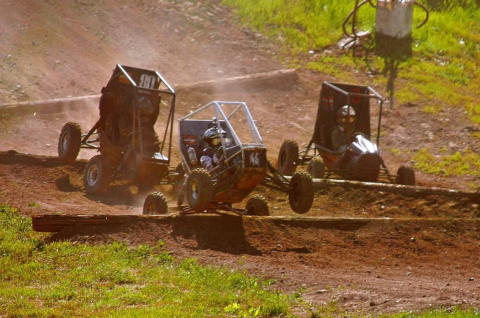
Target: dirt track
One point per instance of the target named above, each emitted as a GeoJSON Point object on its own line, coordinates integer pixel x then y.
{"type": "Point", "coordinates": [374, 265]}
{"type": "Point", "coordinates": [410, 254]}
{"type": "Point", "coordinates": [394, 253]}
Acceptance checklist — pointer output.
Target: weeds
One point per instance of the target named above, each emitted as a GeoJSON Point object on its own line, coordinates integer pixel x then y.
{"type": "Point", "coordinates": [66, 279]}
{"type": "Point", "coordinates": [459, 163]}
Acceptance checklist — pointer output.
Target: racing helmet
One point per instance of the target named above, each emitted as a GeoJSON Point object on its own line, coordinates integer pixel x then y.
{"type": "Point", "coordinates": [346, 117]}
{"type": "Point", "coordinates": [212, 135]}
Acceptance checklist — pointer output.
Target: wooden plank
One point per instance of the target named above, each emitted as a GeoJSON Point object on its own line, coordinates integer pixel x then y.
{"type": "Point", "coordinates": [395, 188]}
{"type": "Point", "coordinates": [55, 222]}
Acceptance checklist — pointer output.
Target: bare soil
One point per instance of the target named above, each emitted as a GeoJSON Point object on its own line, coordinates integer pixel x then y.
{"type": "Point", "coordinates": [375, 252]}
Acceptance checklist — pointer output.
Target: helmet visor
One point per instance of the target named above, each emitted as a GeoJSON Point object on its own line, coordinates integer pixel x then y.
{"type": "Point", "coordinates": [347, 120]}
{"type": "Point", "coordinates": [216, 141]}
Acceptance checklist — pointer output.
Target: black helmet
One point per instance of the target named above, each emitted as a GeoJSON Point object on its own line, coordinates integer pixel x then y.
{"type": "Point", "coordinates": [212, 134]}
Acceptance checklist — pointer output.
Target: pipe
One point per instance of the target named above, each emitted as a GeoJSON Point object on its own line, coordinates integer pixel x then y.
{"type": "Point", "coordinates": [354, 19]}
{"type": "Point", "coordinates": [426, 12]}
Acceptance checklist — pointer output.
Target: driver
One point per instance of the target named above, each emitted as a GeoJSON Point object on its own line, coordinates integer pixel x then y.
{"type": "Point", "coordinates": [148, 115]}
{"type": "Point", "coordinates": [341, 135]}
{"type": "Point", "coordinates": [213, 152]}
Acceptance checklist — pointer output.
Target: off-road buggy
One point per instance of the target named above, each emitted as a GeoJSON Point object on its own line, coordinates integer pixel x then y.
{"type": "Point", "coordinates": [129, 147]}
{"type": "Point", "coordinates": [242, 166]}
{"type": "Point", "coordinates": [361, 161]}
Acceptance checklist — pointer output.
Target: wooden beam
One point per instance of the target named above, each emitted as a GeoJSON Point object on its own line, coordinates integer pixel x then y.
{"type": "Point", "coordinates": [395, 188]}
{"type": "Point", "coordinates": [55, 222]}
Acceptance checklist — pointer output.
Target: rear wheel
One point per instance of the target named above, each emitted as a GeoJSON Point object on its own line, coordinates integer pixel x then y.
{"type": "Point", "coordinates": [301, 192]}
{"type": "Point", "coordinates": [69, 142]}
{"type": "Point", "coordinates": [288, 157]}
{"type": "Point", "coordinates": [97, 175]}
{"type": "Point", "coordinates": [257, 205]}
{"type": "Point", "coordinates": [155, 204]}
{"type": "Point", "coordinates": [316, 167]}
{"type": "Point", "coordinates": [406, 175]}
{"type": "Point", "coordinates": [199, 189]}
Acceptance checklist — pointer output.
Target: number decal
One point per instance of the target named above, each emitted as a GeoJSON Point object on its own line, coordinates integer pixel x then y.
{"type": "Point", "coordinates": [147, 81]}
{"type": "Point", "coordinates": [254, 159]}
{"type": "Point", "coordinates": [356, 99]}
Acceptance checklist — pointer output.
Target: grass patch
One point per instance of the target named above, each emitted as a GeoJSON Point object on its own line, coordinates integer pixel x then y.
{"type": "Point", "coordinates": [303, 24]}
{"type": "Point", "coordinates": [70, 280]}
{"type": "Point", "coordinates": [459, 163]}
{"type": "Point", "coordinates": [440, 313]}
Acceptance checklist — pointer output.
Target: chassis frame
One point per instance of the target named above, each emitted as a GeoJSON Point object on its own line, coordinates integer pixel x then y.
{"type": "Point", "coordinates": [332, 97]}
{"type": "Point", "coordinates": [244, 166]}
{"type": "Point", "coordinates": [145, 89]}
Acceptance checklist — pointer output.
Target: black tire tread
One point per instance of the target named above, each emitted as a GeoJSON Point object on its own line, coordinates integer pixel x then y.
{"type": "Point", "coordinates": [257, 205]}
{"type": "Point", "coordinates": [106, 169]}
{"type": "Point", "coordinates": [205, 184]}
{"type": "Point", "coordinates": [159, 202]}
{"type": "Point", "coordinates": [69, 155]}
{"type": "Point", "coordinates": [303, 180]}
{"type": "Point", "coordinates": [291, 148]}
{"type": "Point", "coordinates": [406, 175]}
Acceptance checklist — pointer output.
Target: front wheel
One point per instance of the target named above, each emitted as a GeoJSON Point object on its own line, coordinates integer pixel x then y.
{"type": "Point", "coordinates": [406, 175]}
{"type": "Point", "coordinates": [97, 175]}
{"type": "Point", "coordinates": [301, 192]}
{"type": "Point", "coordinates": [288, 157]}
{"type": "Point", "coordinates": [155, 204]}
{"type": "Point", "coordinates": [199, 189]}
{"type": "Point", "coordinates": [69, 142]}
{"type": "Point", "coordinates": [257, 205]}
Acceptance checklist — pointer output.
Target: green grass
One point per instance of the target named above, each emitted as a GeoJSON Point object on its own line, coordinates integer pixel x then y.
{"type": "Point", "coordinates": [459, 163]}
{"type": "Point", "coordinates": [70, 280]}
{"type": "Point", "coordinates": [439, 313]}
{"type": "Point", "coordinates": [303, 24]}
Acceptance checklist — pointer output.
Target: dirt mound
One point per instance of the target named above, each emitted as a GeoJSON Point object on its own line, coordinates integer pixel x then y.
{"type": "Point", "coordinates": [58, 49]}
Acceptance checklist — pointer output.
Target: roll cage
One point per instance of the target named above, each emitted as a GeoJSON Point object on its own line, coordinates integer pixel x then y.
{"type": "Point", "coordinates": [333, 96]}
{"type": "Point", "coordinates": [139, 88]}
